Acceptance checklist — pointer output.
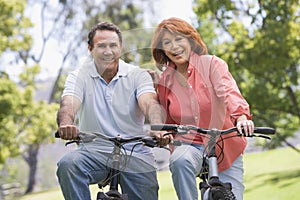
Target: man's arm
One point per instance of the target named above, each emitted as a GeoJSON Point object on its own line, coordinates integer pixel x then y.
{"type": "Point", "coordinates": [155, 114]}
{"type": "Point", "coordinates": [151, 108]}
{"type": "Point", "coordinates": [65, 117]}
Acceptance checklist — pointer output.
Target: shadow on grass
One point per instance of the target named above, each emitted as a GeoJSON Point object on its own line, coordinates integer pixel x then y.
{"type": "Point", "coordinates": [279, 179]}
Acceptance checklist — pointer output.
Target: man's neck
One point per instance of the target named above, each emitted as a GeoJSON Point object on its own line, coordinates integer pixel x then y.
{"type": "Point", "coordinates": [108, 72]}
{"type": "Point", "coordinates": [109, 75]}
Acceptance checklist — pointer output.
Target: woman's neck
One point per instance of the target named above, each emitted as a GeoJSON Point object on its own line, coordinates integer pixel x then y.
{"type": "Point", "coordinates": [182, 69]}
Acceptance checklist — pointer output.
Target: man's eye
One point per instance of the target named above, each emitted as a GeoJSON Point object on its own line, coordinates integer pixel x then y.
{"type": "Point", "coordinates": [113, 45]}
{"type": "Point", "coordinates": [101, 45]}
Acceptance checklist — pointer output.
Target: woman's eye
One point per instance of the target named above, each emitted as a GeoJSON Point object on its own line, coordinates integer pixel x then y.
{"type": "Point", "coordinates": [178, 38]}
{"type": "Point", "coordinates": [166, 43]}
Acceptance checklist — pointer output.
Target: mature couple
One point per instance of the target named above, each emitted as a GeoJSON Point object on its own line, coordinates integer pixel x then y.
{"type": "Point", "coordinates": [109, 96]}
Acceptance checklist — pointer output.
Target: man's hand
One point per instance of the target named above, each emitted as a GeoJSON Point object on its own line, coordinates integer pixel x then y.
{"type": "Point", "coordinates": [162, 139]}
{"type": "Point", "coordinates": [68, 132]}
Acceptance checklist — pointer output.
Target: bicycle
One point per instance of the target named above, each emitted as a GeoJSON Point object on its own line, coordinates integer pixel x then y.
{"type": "Point", "coordinates": [211, 187]}
{"type": "Point", "coordinates": [113, 179]}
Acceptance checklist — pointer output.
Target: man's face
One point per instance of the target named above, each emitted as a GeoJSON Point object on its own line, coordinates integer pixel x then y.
{"type": "Point", "coordinates": [107, 49]}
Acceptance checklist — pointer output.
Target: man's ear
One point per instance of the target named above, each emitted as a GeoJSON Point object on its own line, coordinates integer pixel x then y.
{"type": "Point", "coordinates": [90, 48]}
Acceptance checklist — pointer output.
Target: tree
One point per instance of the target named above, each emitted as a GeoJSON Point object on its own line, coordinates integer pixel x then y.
{"type": "Point", "coordinates": [13, 26]}
{"type": "Point", "coordinates": [260, 42]}
{"type": "Point", "coordinates": [36, 123]}
{"type": "Point", "coordinates": [9, 93]}
{"type": "Point", "coordinates": [13, 37]}
{"type": "Point", "coordinates": [65, 22]}
{"type": "Point", "coordinates": [24, 123]}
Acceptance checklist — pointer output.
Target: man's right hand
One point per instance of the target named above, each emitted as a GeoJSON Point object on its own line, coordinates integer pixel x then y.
{"type": "Point", "coordinates": [161, 138]}
{"type": "Point", "coordinates": [68, 132]}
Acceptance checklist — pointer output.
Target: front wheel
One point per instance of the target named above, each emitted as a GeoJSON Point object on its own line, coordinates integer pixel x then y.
{"type": "Point", "coordinates": [111, 195]}
{"type": "Point", "coordinates": [218, 193]}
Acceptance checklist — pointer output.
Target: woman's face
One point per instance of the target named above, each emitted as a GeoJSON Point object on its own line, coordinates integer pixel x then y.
{"type": "Point", "coordinates": [177, 48]}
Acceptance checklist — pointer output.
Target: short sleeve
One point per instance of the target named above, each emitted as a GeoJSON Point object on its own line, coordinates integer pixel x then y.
{"type": "Point", "coordinates": [74, 86]}
{"type": "Point", "coordinates": [144, 83]}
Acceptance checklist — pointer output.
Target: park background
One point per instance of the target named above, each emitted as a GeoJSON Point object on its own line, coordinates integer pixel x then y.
{"type": "Point", "coordinates": [42, 41]}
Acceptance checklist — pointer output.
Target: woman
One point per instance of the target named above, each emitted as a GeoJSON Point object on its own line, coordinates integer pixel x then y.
{"type": "Point", "coordinates": [197, 89]}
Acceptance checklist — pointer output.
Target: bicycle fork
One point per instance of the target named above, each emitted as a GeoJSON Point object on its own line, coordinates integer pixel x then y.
{"type": "Point", "coordinates": [113, 193]}
{"type": "Point", "coordinates": [212, 182]}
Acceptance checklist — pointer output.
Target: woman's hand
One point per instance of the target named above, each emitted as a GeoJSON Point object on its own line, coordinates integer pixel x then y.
{"type": "Point", "coordinates": [155, 77]}
{"type": "Point", "coordinates": [247, 125]}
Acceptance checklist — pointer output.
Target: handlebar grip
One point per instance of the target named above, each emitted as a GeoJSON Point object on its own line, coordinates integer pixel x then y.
{"type": "Point", "coordinates": [176, 143]}
{"type": "Point", "coordinates": [163, 127]}
{"type": "Point", "coordinates": [264, 130]}
{"type": "Point", "coordinates": [152, 142]}
{"type": "Point", "coordinates": [56, 134]}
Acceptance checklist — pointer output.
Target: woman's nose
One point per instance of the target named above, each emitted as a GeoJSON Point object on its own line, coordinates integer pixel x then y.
{"type": "Point", "coordinates": [174, 45]}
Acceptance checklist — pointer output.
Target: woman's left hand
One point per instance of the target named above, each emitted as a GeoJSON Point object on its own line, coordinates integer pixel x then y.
{"type": "Point", "coordinates": [245, 124]}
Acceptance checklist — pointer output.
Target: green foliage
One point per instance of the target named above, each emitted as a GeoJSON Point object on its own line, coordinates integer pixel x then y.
{"type": "Point", "coordinates": [27, 78]}
{"type": "Point", "coordinates": [38, 125]}
{"type": "Point", "coordinates": [23, 121]}
{"type": "Point", "coordinates": [13, 26]}
{"type": "Point", "coordinates": [260, 42]}
{"type": "Point", "coordinates": [9, 96]}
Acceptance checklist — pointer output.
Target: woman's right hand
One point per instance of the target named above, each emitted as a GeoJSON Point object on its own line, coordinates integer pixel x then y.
{"type": "Point", "coordinates": [155, 77]}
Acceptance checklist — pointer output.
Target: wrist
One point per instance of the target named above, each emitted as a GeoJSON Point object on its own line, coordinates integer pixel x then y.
{"type": "Point", "coordinates": [243, 117]}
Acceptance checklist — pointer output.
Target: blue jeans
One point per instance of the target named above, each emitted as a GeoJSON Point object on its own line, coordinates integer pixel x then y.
{"type": "Point", "coordinates": [80, 168]}
{"type": "Point", "coordinates": [185, 165]}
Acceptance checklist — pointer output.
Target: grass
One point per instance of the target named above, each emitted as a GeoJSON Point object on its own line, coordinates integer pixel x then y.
{"type": "Point", "coordinates": [270, 175]}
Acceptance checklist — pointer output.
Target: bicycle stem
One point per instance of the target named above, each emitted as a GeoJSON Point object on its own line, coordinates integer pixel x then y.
{"type": "Point", "coordinates": [115, 166]}
{"type": "Point", "coordinates": [212, 157]}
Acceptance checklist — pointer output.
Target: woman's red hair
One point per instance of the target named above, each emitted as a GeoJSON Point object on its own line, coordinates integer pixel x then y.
{"type": "Point", "coordinates": [177, 26]}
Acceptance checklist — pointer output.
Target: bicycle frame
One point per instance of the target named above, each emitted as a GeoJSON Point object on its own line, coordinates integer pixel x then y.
{"type": "Point", "coordinates": [113, 192]}
{"type": "Point", "coordinates": [114, 175]}
{"type": "Point", "coordinates": [212, 181]}
{"type": "Point", "coordinates": [211, 187]}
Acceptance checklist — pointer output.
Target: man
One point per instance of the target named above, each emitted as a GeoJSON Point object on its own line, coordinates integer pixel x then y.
{"type": "Point", "coordinates": [108, 96]}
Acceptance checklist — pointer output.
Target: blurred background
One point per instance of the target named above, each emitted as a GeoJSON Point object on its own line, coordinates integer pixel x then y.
{"type": "Point", "coordinates": [42, 41]}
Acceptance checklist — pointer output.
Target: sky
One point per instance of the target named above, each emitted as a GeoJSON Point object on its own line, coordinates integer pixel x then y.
{"type": "Point", "coordinates": [163, 9]}
{"type": "Point", "coordinates": [173, 8]}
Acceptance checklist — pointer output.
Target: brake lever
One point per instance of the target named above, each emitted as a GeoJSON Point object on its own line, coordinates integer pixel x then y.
{"type": "Point", "coordinates": [263, 136]}
{"type": "Point", "coordinates": [72, 141]}
{"type": "Point", "coordinates": [254, 135]}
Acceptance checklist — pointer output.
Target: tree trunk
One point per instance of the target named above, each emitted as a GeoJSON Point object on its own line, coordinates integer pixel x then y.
{"type": "Point", "coordinates": [32, 161]}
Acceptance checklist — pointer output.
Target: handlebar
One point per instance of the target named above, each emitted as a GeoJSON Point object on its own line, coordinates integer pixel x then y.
{"type": "Point", "coordinates": [149, 141]}
{"type": "Point", "coordinates": [184, 129]}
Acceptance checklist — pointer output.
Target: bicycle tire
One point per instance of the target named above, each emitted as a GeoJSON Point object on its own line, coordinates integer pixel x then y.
{"type": "Point", "coordinates": [116, 196]}
{"type": "Point", "coordinates": [218, 193]}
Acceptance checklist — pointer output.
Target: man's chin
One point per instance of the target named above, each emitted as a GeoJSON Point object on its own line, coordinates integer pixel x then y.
{"type": "Point", "coordinates": [110, 64]}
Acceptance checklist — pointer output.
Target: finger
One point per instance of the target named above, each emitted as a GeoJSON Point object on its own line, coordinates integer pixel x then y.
{"type": "Point", "coordinates": [245, 126]}
{"type": "Point", "coordinates": [239, 127]}
{"type": "Point", "coordinates": [251, 127]}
